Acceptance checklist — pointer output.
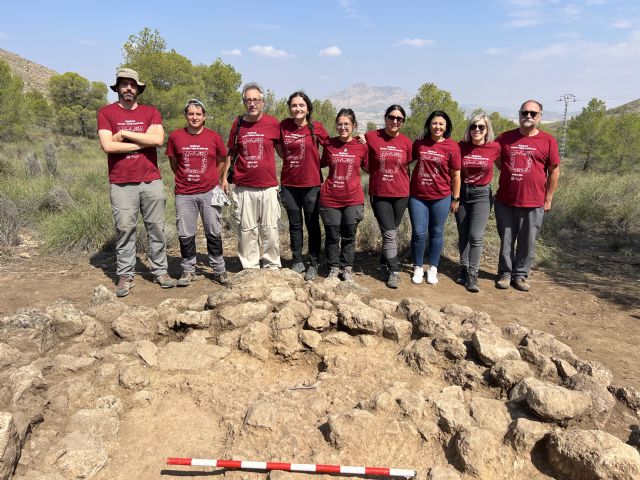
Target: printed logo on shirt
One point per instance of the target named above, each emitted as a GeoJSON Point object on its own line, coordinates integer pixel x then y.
{"type": "Point", "coordinates": [521, 161]}
{"type": "Point", "coordinates": [131, 126]}
{"type": "Point", "coordinates": [429, 167]}
{"type": "Point", "coordinates": [294, 147]}
{"type": "Point", "coordinates": [475, 167]}
{"type": "Point", "coordinates": [391, 158]}
{"type": "Point", "coordinates": [342, 163]}
{"type": "Point", "coordinates": [194, 162]}
{"type": "Point", "coordinates": [252, 148]}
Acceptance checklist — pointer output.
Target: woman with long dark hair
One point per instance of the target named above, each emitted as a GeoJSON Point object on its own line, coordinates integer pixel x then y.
{"type": "Point", "coordinates": [389, 158]}
{"type": "Point", "coordinates": [301, 178]}
{"type": "Point", "coordinates": [435, 190]}
{"type": "Point", "coordinates": [341, 195]}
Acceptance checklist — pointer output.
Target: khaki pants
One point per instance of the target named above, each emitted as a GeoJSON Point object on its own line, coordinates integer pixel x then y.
{"type": "Point", "coordinates": [257, 212]}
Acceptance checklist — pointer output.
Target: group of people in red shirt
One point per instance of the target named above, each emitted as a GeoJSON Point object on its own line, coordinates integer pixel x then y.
{"type": "Point", "coordinates": [447, 177]}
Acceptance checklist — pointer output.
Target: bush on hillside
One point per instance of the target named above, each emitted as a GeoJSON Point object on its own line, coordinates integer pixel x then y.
{"type": "Point", "coordinates": [9, 223]}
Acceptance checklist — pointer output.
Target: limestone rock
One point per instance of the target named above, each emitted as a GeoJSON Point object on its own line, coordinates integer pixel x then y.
{"type": "Point", "coordinates": [134, 377]}
{"type": "Point", "coordinates": [428, 322]}
{"type": "Point", "coordinates": [524, 434]}
{"type": "Point", "coordinates": [241, 315]}
{"type": "Point", "coordinates": [451, 411]}
{"type": "Point", "coordinates": [189, 356]}
{"type": "Point", "coordinates": [478, 321]}
{"type": "Point", "coordinates": [515, 332]}
{"type": "Point", "coordinates": [9, 445]}
{"type": "Point", "coordinates": [191, 319]}
{"type": "Point", "coordinates": [592, 455]}
{"type": "Point", "coordinates": [109, 311]}
{"type": "Point", "coordinates": [409, 306]}
{"type": "Point", "coordinates": [420, 355]}
{"type": "Point", "coordinates": [102, 294]}
{"type": "Point", "coordinates": [98, 423]}
{"type": "Point", "coordinates": [492, 415]}
{"type": "Point", "coordinates": [480, 453]}
{"type": "Point", "coordinates": [465, 374]}
{"type": "Point", "coordinates": [565, 369]}
{"type": "Point", "coordinates": [71, 363]}
{"type": "Point", "coordinates": [287, 342]}
{"type": "Point", "coordinates": [451, 345]}
{"type": "Point", "coordinates": [321, 320]}
{"type": "Point", "coordinates": [603, 402]}
{"type": "Point", "coordinates": [492, 348]}
{"type": "Point", "coordinates": [396, 329]}
{"type": "Point", "coordinates": [197, 336]}
{"type": "Point", "coordinates": [508, 373]}
{"type": "Point", "coordinates": [67, 320]}
{"type": "Point", "coordinates": [79, 455]}
{"type": "Point", "coordinates": [28, 330]}
{"type": "Point", "coordinates": [551, 402]}
{"type": "Point", "coordinates": [310, 338]}
{"type": "Point", "coordinates": [256, 340]}
{"type": "Point", "coordinates": [110, 402]}
{"type": "Point", "coordinates": [10, 356]}
{"type": "Point", "coordinates": [384, 305]}
{"type": "Point", "coordinates": [27, 385]}
{"type": "Point", "coordinates": [453, 310]}
{"type": "Point", "coordinates": [361, 319]}
{"type": "Point", "coordinates": [148, 352]}
{"type": "Point", "coordinates": [139, 323]}
{"type": "Point", "coordinates": [443, 473]}
{"type": "Point", "coordinates": [627, 395]}
{"type": "Point", "coordinates": [548, 345]}
{"type": "Point", "coordinates": [143, 398]}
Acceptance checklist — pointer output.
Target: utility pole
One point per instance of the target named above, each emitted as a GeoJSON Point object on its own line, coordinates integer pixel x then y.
{"type": "Point", "coordinates": [566, 98]}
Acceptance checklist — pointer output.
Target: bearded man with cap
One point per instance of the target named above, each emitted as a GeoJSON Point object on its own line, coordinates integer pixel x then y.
{"type": "Point", "coordinates": [129, 134]}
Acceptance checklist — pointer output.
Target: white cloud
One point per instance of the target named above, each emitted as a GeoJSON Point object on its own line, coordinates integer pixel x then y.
{"type": "Point", "coordinates": [495, 51]}
{"type": "Point", "coordinates": [269, 51]}
{"type": "Point", "coordinates": [234, 52]}
{"type": "Point", "coordinates": [414, 42]}
{"type": "Point", "coordinates": [572, 10]}
{"type": "Point", "coordinates": [622, 24]}
{"type": "Point", "coordinates": [333, 51]}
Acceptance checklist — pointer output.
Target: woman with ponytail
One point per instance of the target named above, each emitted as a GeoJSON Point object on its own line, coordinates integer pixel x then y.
{"type": "Point", "coordinates": [301, 138]}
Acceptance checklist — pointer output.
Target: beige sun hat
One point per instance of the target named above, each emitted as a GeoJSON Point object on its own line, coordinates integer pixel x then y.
{"type": "Point", "coordinates": [128, 73]}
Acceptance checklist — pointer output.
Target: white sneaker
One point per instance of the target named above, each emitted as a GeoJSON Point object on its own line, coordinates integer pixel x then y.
{"type": "Point", "coordinates": [432, 275]}
{"type": "Point", "coordinates": [418, 275]}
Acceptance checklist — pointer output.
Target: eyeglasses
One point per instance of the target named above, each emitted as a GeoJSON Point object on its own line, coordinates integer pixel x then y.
{"type": "Point", "coordinates": [344, 125]}
{"type": "Point", "coordinates": [250, 101]}
{"type": "Point", "coordinates": [480, 128]}
{"type": "Point", "coordinates": [526, 113]}
{"type": "Point", "coordinates": [393, 118]}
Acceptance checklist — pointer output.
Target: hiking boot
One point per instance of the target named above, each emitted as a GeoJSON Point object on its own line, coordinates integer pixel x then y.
{"type": "Point", "coordinates": [346, 275]}
{"type": "Point", "coordinates": [384, 272]}
{"type": "Point", "coordinates": [221, 278]}
{"type": "Point", "coordinates": [432, 275]}
{"type": "Point", "coordinates": [471, 284]}
{"type": "Point", "coordinates": [165, 281]}
{"type": "Point", "coordinates": [418, 275]}
{"type": "Point", "coordinates": [312, 273]}
{"type": "Point", "coordinates": [520, 283]}
{"type": "Point", "coordinates": [125, 283]}
{"type": "Point", "coordinates": [462, 278]}
{"type": "Point", "coordinates": [186, 279]}
{"type": "Point", "coordinates": [393, 280]}
{"type": "Point", "coordinates": [334, 272]}
{"type": "Point", "coordinates": [504, 281]}
{"type": "Point", "coordinates": [298, 267]}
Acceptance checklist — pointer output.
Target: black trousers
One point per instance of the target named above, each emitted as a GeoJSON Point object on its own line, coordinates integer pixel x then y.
{"type": "Point", "coordinates": [299, 201]}
{"type": "Point", "coordinates": [340, 225]}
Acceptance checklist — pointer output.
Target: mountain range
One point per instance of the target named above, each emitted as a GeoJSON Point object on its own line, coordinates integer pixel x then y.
{"type": "Point", "coordinates": [33, 75]}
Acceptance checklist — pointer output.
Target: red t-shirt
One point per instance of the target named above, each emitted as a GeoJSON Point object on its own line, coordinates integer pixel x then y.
{"type": "Point", "coordinates": [431, 179]}
{"type": "Point", "coordinates": [525, 162]}
{"type": "Point", "coordinates": [301, 164]}
{"type": "Point", "coordinates": [134, 167]}
{"type": "Point", "coordinates": [477, 162]}
{"type": "Point", "coordinates": [389, 158]}
{"type": "Point", "coordinates": [197, 156]}
{"type": "Point", "coordinates": [343, 187]}
{"type": "Point", "coordinates": [256, 162]}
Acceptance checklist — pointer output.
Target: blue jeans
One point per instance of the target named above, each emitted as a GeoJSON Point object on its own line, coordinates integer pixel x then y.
{"type": "Point", "coordinates": [428, 215]}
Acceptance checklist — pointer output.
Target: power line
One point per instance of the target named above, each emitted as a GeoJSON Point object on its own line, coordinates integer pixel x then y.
{"type": "Point", "coordinates": [566, 98]}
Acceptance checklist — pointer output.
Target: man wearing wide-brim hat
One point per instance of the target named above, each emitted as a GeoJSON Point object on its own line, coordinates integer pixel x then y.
{"type": "Point", "coordinates": [129, 134]}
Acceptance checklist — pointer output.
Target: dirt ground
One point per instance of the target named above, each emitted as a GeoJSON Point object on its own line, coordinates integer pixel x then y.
{"type": "Point", "coordinates": [590, 300]}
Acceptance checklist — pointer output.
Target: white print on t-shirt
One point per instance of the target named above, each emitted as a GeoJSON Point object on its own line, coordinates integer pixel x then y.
{"type": "Point", "coordinates": [521, 161]}
{"type": "Point", "coordinates": [340, 181]}
{"type": "Point", "coordinates": [297, 141]}
{"type": "Point", "coordinates": [427, 178]}
{"type": "Point", "coordinates": [390, 160]}
{"type": "Point", "coordinates": [477, 163]}
{"type": "Point", "coordinates": [131, 126]}
{"type": "Point", "coordinates": [252, 148]}
{"type": "Point", "coordinates": [194, 160]}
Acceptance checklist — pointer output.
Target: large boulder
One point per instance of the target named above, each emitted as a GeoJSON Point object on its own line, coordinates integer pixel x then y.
{"type": "Point", "coordinates": [549, 401]}
{"type": "Point", "coordinates": [492, 348]}
{"type": "Point", "coordinates": [28, 330]}
{"type": "Point", "coordinates": [242, 314]}
{"type": "Point", "coordinates": [592, 455]}
{"type": "Point", "coordinates": [79, 455]}
{"type": "Point", "coordinates": [139, 323]}
{"type": "Point", "coordinates": [361, 318]}
{"type": "Point", "coordinates": [67, 320]}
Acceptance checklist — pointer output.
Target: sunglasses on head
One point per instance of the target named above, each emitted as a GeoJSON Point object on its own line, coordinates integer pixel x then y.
{"type": "Point", "coordinates": [480, 128]}
{"type": "Point", "coordinates": [526, 113]}
{"type": "Point", "coordinates": [393, 118]}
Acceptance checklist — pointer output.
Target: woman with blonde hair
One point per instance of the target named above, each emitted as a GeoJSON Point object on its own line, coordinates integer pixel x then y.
{"type": "Point", "coordinates": [479, 152]}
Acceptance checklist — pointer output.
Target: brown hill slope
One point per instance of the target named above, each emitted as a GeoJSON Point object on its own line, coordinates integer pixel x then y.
{"type": "Point", "coordinates": [34, 76]}
{"type": "Point", "coordinates": [630, 107]}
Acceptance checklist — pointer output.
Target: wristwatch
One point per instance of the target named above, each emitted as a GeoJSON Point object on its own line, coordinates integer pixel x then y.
{"type": "Point", "coordinates": [455, 199]}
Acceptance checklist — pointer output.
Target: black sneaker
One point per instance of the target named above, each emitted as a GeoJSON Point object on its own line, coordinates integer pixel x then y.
{"type": "Point", "coordinates": [462, 278]}
{"type": "Point", "coordinates": [125, 283]}
{"type": "Point", "coordinates": [471, 284]}
{"type": "Point", "coordinates": [298, 267]}
{"type": "Point", "coordinates": [186, 279]}
{"type": "Point", "coordinates": [393, 280]}
{"type": "Point", "coordinates": [384, 272]}
{"type": "Point", "coordinates": [520, 283]}
{"type": "Point", "coordinates": [221, 278]}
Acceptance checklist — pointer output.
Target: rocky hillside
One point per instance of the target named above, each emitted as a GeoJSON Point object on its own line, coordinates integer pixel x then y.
{"type": "Point", "coordinates": [33, 75]}
{"type": "Point", "coordinates": [276, 369]}
{"type": "Point", "coordinates": [630, 107]}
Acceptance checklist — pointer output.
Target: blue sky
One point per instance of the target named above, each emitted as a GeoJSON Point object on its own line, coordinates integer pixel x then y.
{"type": "Point", "coordinates": [491, 52]}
